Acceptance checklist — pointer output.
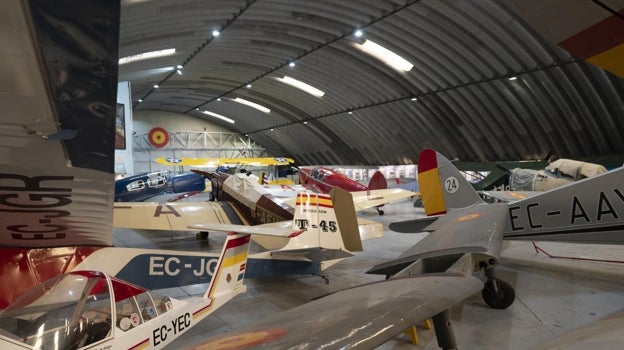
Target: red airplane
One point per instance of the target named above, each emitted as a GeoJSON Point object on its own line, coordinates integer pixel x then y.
{"type": "Point", "coordinates": [324, 180]}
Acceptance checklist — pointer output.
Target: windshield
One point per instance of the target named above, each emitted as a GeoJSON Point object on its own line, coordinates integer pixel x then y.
{"type": "Point", "coordinates": [66, 312]}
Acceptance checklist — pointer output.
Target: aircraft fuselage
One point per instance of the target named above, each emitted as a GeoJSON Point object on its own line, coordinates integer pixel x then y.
{"type": "Point", "coordinates": [589, 212]}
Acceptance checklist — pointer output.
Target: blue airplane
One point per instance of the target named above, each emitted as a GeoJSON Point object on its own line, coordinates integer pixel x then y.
{"type": "Point", "coordinates": [141, 187]}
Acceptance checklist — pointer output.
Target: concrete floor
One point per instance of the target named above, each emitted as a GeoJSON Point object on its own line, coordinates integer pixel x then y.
{"type": "Point", "coordinates": [553, 296]}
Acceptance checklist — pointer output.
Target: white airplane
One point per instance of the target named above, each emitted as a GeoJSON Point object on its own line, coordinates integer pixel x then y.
{"type": "Point", "coordinates": [321, 243]}
{"type": "Point", "coordinates": [245, 202]}
{"type": "Point", "coordinates": [89, 309]}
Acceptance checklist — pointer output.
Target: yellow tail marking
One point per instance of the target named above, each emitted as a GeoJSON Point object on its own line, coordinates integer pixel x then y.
{"type": "Point", "coordinates": [431, 192]}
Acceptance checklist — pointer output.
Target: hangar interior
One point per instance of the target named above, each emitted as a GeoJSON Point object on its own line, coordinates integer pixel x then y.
{"type": "Point", "coordinates": [356, 85]}
{"type": "Point", "coordinates": [553, 296]}
{"type": "Point", "coordinates": [482, 84]}
{"type": "Point", "coordinates": [478, 84]}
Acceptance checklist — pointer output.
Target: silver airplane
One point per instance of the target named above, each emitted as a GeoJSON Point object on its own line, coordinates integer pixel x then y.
{"type": "Point", "coordinates": [456, 260]}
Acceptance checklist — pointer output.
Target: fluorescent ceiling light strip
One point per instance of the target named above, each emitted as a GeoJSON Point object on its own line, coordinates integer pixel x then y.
{"type": "Point", "coordinates": [301, 86]}
{"type": "Point", "coordinates": [146, 55]}
{"type": "Point", "coordinates": [388, 57]}
{"type": "Point", "coordinates": [219, 116]}
{"type": "Point", "coordinates": [252, 104]}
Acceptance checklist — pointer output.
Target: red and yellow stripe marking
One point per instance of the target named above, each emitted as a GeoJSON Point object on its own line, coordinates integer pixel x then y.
{"type": "Point", "coordinates": [142, 345]}
{"type": "Point", "coordinates": [234, 259]}
{"type": "Point", "coordinates": [429, 182]}
{"type": "Point", "coordinates": [230, 258]}
{"type": "Point", "coordinates": [202, 311]}
{"type": "Point", "coordinates": [315, 200]}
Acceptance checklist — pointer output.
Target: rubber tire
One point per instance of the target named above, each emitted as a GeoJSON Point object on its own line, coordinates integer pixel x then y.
{"type": "Point", "coordinates": [504, 299]}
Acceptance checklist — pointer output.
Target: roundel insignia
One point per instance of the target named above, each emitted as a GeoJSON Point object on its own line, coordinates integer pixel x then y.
{"type": "Point", "coordinates": [243, 340]}
{"type": "Point", "coordinates": [517, 195]}
{"type": "Point", "coordinates": [158, 137]}
{"type": "Point", "coordinates": [451, 184]}
{"type": "Point", "coordinates": [173, 160]}
{"type": "Point", "coordinates": [469, 217]}
{"type": "Point", "coordinates": [134, 319]}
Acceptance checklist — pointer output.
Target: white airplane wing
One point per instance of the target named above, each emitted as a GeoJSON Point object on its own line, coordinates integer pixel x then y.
{"type": "Point", "coordinates": [284, 191]}
{"type": "Point", "coordinates": [206, 216]}
{"type": "Point", "coordinates": [361, 318]}
{"type": "Point", "coordinates": [373, 198]}
{"type": "Point", "coordinates": [56, 139]}
{"type": "Point", "coordinates": [171, 216]}
{"type": "Point", "coordinates": [278, 229]}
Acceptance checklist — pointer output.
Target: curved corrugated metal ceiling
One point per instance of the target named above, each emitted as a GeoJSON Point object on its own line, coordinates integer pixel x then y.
{"type": "Point", "coordinates": [457, 98]}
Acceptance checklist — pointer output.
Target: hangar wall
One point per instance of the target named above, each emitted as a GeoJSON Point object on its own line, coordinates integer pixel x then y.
{"type": "Point", "coordinates": [188, 137]}
{"type": "Point", "coordinates": [172, 122]}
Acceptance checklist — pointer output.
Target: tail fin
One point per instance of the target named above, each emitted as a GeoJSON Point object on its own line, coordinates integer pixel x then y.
{"type": "Point", "coordinates": [317, 214]}
{"type": "Point", "coordinates": [378, 181]}
{"type": "Point", "coordinates": [228, 277]}
{"type": "Point", "coordinates": [442, 186]}
{"type": "Point", "coordinates": [347, 221]}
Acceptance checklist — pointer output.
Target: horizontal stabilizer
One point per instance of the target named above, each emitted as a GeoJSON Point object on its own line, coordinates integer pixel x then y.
{"type": "Point", "coordinates": [384, 309]}
{"type": "Point", "coordinates": [413, 226]}
{"type": "Point", "coordinates": [480, 232]}
{"type": "Point", "coordinates": [278, 229]}
{"type": "Point", "coordinates": [374, 198]}
{"type": "Point", "coordinates": [314, 254]}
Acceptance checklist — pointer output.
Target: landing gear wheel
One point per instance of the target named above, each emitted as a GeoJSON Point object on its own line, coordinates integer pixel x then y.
{"type": "Point", "coordinates": [380, 212]}
{"type": "Point", "coordinates": [203, 235]}
{"type": "Point", "coordinates": [498, 294]}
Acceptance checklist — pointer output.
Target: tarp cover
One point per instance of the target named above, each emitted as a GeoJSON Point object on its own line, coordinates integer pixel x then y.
{"type": "Point", "coordinates": [576, 169]}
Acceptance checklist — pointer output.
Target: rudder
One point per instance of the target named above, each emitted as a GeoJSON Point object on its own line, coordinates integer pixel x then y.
{"type": "Point", "coordinates": [317, 215]}
{"type": "Point", "coordinates": [442, 186]}
{"type": "Point", "coordinates": [378, 181]}
{"type": "Point", "coordinates": [230, 272]}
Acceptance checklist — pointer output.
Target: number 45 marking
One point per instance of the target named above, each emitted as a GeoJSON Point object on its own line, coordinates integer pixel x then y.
{"type": "Point", "coordinates": [327, 225]}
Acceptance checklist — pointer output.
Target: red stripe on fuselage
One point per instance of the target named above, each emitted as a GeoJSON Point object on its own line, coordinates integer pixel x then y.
{"type": "Point", "coordinates": [139, 344]}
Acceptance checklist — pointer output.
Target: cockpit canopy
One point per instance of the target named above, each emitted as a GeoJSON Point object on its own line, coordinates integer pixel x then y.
{"type": "Point", "coordinates": [78, 309]}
